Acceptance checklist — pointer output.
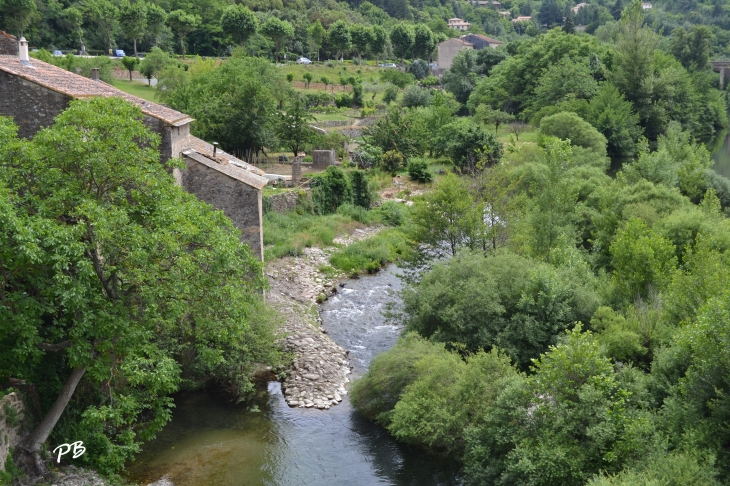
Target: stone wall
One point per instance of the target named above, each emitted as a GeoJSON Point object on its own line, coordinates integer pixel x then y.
{"type": "Point", "coordinates": [240, 202]}
{"type": "Point", "coordinates": [11, 425]}
{"type": "Point", "coordinates": [284, 202]}
{"type": "Point", "coordinates": [321, 159]}
{"type": "Point", "coordinates": [31, 106]}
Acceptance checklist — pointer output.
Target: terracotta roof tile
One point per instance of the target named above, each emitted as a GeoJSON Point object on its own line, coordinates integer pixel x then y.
{"type": "Point", "coordinates": [484, 37]}
{"type": "Point", "coordinates": [9, 36]}
{"type": "Point", "coordinates": [75, 86]}
{"type": "Point", "coordinates": [227, 164]}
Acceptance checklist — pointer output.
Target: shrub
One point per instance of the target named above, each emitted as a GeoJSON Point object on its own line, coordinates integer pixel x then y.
{"type": "Point", "coordinates": [367, 156]}
{"type": "Point", "coordinates": [290, 77]}
{"type": "Point", "coordinates": [397, 77]}
{"type": "Point", "coordinates": [419, 170]}
{"type": "Point", "coordinates": [343, 100]}
{"type": "Point", "coordinates": [566, 125]}
{"type": "Point", "coordinates": [331, 189]}
{"type": "Point", "coordinates": [392, 213]}
{"type": "Point", "coordinates": [391, 94]}
{"type": "Point", "coordinates": [361, 195]}
{"type": "Point", "coordinates": [430, 81]}
{"type": "Point", "coordinates": [415, 96]}
{"type": "Point", "coordinates": [419, 69]}
{"type": "Point", "coordinates": [357, 213]}
{"type": "Point", "coordinates": [392, 162]}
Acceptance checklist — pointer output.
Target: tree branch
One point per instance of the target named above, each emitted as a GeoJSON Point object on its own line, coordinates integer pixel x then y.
{"type": "Point", "coordinates": [54, 347]}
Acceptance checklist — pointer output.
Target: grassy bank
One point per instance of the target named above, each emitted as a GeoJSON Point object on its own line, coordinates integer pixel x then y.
{"type": "Point", "coordinates": [136, 88]}
{"type": "Point", "coordinates": [287, 234]}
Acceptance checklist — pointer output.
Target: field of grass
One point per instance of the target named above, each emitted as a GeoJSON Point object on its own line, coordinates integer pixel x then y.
{"type": "Point", "coordinates": [136, 88]}
{"type": "Point", "coordinates": [289, 233]}
{"type": "Point", "coordinates": [368, 73]}
{"type": "Point", "coordinates": [528, 136]}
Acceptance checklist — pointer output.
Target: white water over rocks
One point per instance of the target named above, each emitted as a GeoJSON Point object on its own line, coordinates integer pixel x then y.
{"type": "Point", "coordinates": [319, 371]}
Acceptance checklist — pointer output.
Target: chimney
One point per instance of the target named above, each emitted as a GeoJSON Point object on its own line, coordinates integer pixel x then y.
{"type": "Point", "coordinates": [215, 148]}
{"type": "Point", "coordinates": [95, 74]}
{"type": "Point", "coordinates": [23, 51]}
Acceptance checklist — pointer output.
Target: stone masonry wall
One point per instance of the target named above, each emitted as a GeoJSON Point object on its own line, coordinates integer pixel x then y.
{"type": "Point", "coordinates": [284, 202]}
{"type": "Point", "coordinates": [31, 106]}
{"type": "Point", "coordinates": [11, 425]}
{"type": "Point", "coordinates": [240, 202]}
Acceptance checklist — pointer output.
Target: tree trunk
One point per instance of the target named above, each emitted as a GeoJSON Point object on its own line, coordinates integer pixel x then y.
{"type": "Point", "coordinates": [135, 47]}
{"type": "Point", "coordinates": [130, 75]}
{"type": "Point", "coordinates": [182, 46]}
{"type": "Point", "coordinates": [31, 445]}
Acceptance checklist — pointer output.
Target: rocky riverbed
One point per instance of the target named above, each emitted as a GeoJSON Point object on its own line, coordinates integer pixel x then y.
{"type": "Point", "coordinates": [318, 375]}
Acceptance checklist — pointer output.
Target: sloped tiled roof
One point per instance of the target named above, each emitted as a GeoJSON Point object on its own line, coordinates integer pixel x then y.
{"type": "Point", "coordinates": [485, 38]}
{"type": "Point", "coordinates": [9, 36]}
{"type": "Point", "coordinates": [75, 86]}
{"type": "Point", "coordinates": [202, 152]}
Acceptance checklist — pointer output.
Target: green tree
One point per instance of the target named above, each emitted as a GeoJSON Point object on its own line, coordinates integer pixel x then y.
{"type": "Point", "coordinates": [117, 271]}
{"type": "Point", "coordinates": [462, 77]}
{"type": "Point", "coordinates": [692, 48]}
{"type": "Point", "coordinates": [424, 41]}
{"type": "Point", "coordinates": [505, 300]}
{"type": "Point", "coordinates": [566, 80]}
{"type": "Point", "coordinates": [239, 22]}
{"type": "Point", "coordinates": [133, 20]}
{"type": "Point", "coordinates": [553, 199]}
{"type": "Point", "coordinates": [569, 126]}
{"type": "Point", "coordinates": [469, 145]}
{"type": "Point", "coordinates": [74, 19]}
{"type": "Point", "coordinates": [105, 15]}
{"type": "Point", "coordinates": [153, 63]}
{"type": "Point", "coordinates": [361, 37]}
{"type": "Point", "coordinates": [19, 14]}
{"type": "Point", "coordinates": [590, 427]}
{"type": "Point", "coordinates": [316, 34]}
{"type": "Point", "coordinates": [293, 127]}
{"type": "Point", "coordinates": [642, 259]}
{"type": "Point", "coordinates": [492, 117]}
{"type": "Point", "coordinates": [361, 195]}
{"type": "Point", "coordinates": [378, 41]}
{"type": "Point", "coordinates": [235, 104]}
{"type": "Point", "coordinates": [615, 118]}
{"type": "Point", "coordinates": [307, 78]}
{"type": "Point", "coordinates": [446, 215]}
{"type": "Point", "coordinates": [182, 24]}
{"type": "Point", "coordinates": [402, 37]}
{"type": "Point", "coordinates": [339, 36]}
{"type": "Point", "coordinates": [156, 20]}
{"type": "Point", "coordinates": [279, 31]}
{"type": "Point", "coordinates": [403, 132]}
{"type": "Point", "coordinates": [130, 64]}
{"type": "Point", "coordinates": [632, 58]}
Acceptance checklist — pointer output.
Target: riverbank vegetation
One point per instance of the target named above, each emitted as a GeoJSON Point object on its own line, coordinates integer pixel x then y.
{"type": "Point", "coordinates": [576, 335]}
{"type": "Point", "coordinates": [118, 287]}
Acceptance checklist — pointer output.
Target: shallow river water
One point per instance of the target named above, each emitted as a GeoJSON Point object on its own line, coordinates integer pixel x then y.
{"type": "Point", "coordinates": [212, 442]}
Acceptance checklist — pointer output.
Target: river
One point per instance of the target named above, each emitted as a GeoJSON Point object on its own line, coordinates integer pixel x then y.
{"type": "Point", "coordinates": [211, 442]}
{"type": "Point", "coordinates": [720, 149]}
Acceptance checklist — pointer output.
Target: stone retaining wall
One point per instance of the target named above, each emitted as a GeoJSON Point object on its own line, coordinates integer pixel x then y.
{"type": "Point", "coordinates": [284, 202]}
{"type": "Point", "coordinates": [11, 425]}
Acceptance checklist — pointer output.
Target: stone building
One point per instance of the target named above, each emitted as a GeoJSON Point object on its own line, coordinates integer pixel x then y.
{"type": "Point", "coordinates": [447, 51]}
{"type": "Point", "coordinates": [458, 24]}
{"type": "Point", "coordinates": [33, 93]}
{"type": "Point", "coordinates": [8, 44]}
{"type": "Point", "coordinates": [480, 41]}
